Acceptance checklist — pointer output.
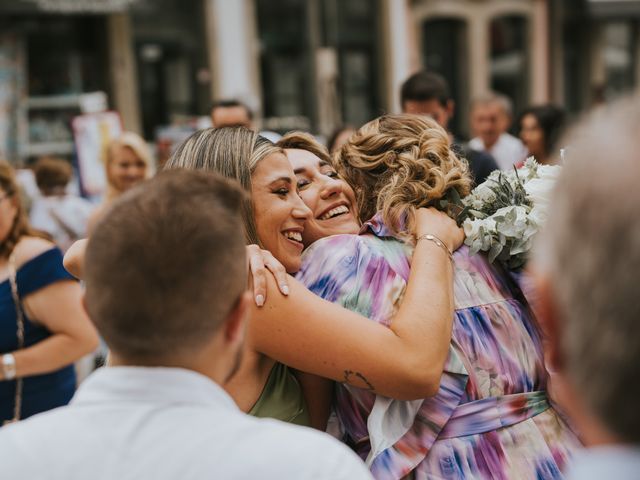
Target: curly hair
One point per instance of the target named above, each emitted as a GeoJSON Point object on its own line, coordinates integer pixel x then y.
{"type": "Point", "coordinates": [397, 163]}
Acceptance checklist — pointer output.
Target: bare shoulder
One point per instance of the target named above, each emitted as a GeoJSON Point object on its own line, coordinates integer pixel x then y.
{"type": "Point", "coordinates": [95, 216]}
{"type": "Point", "coordinates": [30, 247]}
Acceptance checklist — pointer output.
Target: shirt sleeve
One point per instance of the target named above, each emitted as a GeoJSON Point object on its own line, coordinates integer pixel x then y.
{"type": "Point", "coordinates": [41, 271]}
{"type": "Point", "coordinates": [352, 271]}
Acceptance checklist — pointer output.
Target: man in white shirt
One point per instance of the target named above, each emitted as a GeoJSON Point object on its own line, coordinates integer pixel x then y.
{"type": "Point", "coordinates": [166, 287]}
{"type": "Point", "coordinates": [490, 119]}
{"type": "Point", "coordinates": [587, 266]}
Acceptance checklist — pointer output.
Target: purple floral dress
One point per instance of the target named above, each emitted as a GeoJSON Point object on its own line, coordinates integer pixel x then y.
{"type": "Point", "coordinates": [491, 418]}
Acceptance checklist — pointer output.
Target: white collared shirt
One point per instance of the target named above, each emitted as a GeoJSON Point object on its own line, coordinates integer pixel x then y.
{"type": "Point", "coordinates": [165, 423]}
{"type": "Point", "coordinates": [507, 151]}
{"type": "Point", "coordinates": [606, 462]}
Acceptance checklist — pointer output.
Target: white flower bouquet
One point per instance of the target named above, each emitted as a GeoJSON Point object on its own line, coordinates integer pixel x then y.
{"type": "Point", "coordinates": [502, 215]}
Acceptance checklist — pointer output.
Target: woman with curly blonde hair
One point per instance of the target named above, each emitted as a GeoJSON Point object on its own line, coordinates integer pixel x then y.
{"type": "Point", "coordinates": [491, 417]}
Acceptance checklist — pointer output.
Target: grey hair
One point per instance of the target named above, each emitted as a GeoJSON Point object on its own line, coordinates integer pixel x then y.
{"type": "Point", "coordinates": [590, 251]}
{"type": "Point", "coordinates": [493, 97]}
{"type": "Point", "coordinates": [233, 152]}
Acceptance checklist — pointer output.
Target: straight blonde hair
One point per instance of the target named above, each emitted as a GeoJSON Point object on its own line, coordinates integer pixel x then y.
{"type": "Point", "coordinates": [233, 152]}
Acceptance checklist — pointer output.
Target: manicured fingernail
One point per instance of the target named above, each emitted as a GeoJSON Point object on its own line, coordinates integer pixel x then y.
{"type": "Point", "coordinates": [284, 289]}
{"type": "Point", "coordinates": [259, 300]}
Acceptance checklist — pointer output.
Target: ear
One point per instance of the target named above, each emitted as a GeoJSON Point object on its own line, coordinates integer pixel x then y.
{"type": "Point", "coordinates": [549, 319]}
{"type": "Point", "coordinates": [451, 107]}
{"type": "Point", "coordinates": [234, 325]}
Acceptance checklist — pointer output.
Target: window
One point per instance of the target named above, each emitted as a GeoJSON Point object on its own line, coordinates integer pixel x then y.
{"type": "Point", "coordinates": [445, 52]}
{"type": "Point", "coordinates": [509, 59]}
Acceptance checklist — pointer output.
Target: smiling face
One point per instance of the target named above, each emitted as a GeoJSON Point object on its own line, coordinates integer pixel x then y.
{"type": "Point", "coordinates": [125, 168]}
{"type": "Point", "coordinates": [280, 214]}
{"type": "Point", "coordinates": [532, 136]}
{"type": "Point", "coordinates": [331, 199]}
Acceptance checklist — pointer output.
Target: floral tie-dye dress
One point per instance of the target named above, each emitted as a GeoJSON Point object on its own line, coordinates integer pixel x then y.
{"type": "Point", "coordinates": [491, 418]}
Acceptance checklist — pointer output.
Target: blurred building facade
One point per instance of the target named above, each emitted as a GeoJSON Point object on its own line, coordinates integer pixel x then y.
{"type": "Point", "coordinates": [299, 64]}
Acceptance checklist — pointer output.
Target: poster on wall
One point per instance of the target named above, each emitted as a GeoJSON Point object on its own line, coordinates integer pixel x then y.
{"type": "Point", "coordinates": [12, 96]}
{"type": "Point", "coordinates": [92, 133]}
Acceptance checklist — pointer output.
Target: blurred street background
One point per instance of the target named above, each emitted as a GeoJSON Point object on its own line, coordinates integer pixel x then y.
{"type": "Point", "coordinates": [298, 64]}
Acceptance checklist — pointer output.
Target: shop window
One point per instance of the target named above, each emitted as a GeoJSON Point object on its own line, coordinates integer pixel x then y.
{"type": "Point", "coordinates": [172, 64]}
{"type": "Point", "coordinates": [509, 59]}
{"type": "Point", "coordinates": [284, 63]}
{"type": "Point", "coordinates": [444, 47]}
{"type": "Point", "coordinates": [618, 56]}
{"type": "Point", "coordinates": [356, 42]}
{"type": "Point", "coordinates": [318, 56]}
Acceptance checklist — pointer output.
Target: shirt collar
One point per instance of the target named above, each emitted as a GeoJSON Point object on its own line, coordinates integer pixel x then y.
{"type": "Point", "coordinates": [151, 384]}
{"type": "Point", "coordinates": [620, 461]}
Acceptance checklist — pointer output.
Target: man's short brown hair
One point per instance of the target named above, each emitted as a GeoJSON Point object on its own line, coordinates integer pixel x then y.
{"type": "Point", "coordinates": [166, 264]}
{"type": "Point", "coordinates": [52, 173]}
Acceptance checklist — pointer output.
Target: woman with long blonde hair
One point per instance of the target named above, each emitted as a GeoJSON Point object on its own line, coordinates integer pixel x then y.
{"type": "Point", "coordinates": [491, 417]}
{"type": "Point", "coordinates": [127, 162]}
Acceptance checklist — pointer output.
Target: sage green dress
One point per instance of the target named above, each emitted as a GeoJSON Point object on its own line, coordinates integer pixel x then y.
{"type": "Point", "coordinates": [282, 398]}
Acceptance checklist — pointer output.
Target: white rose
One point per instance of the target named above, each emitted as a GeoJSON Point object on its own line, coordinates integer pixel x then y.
{"type": "Point", "coordinates": [549, 172]}
{"type": "Point", "coordinates": [538, 215]}
{"type": "Point", "coordinates": [539, 191]}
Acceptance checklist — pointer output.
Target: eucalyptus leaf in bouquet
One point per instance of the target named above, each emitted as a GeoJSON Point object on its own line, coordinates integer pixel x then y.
{"type": "Point", "coordinates": [502, 215]}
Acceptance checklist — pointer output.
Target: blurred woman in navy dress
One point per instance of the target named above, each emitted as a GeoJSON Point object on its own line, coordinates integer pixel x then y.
{"type": "Point", "coordinates": [43, 326]}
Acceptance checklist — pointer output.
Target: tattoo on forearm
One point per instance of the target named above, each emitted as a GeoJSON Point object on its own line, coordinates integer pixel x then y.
{"type": "Point", "coordinates": [358, 380]}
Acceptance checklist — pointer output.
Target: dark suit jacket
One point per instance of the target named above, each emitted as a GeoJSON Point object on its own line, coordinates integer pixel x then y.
{"type": "Point", "coordinates": [481, 164]}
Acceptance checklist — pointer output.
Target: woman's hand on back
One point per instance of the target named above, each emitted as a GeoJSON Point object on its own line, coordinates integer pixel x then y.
{"type": "Point", "coordinates": [261, 263]}
{"type": "Point", "coordinates": [439, 224]}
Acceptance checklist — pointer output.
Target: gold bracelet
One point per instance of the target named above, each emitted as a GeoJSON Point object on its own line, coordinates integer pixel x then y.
{"type": "Point", "coordinates": [437, 241]}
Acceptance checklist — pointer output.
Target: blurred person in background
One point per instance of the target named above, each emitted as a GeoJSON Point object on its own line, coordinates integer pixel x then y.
{"type": "Point", "coordinates": [540, 128]}
{"type": "Point", "coordinates": [490, 121]}
{"type": "Point", "coordinates": [339, 137]}
{"type": "Point", "coordinates": [60, 214]}
{"type": "Point", "coordinates": [587, 269]}
{"type": "Point", "coordinates": [43, 327]}
{"type": "Point", "coordinates": [231, 113]}
{"type": "Point", "coordinates": [427, 93]}
{"type": "Point", "coordinates": [128, 162]}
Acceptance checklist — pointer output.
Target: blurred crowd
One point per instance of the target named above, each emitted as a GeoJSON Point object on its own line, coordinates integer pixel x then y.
{"type": "Point", "coordinates": [581, 345]}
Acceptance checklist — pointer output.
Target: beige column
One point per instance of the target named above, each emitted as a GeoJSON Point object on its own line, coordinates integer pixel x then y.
{"type": "Point", "coordinates": [400, 49]}
{"type": "Point", "coordinates": [479, 55]}
{"type": "Point", "coordinates": [124, 74]}
{"type": "Point", "coordinates": [539, 52]}
{"type": "Point", "coordinates": [233, 50]}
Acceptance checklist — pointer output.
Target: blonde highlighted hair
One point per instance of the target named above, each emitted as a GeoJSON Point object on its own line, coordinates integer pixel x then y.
{"type": "Point", "coordinates": [397, 163]}
{"type": "Point", "coordinates": [305, 141]}
{"type": "Point", "coordinates": [233, 152]}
